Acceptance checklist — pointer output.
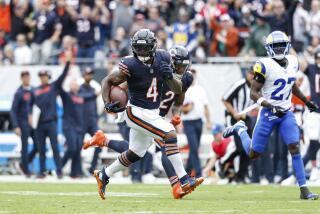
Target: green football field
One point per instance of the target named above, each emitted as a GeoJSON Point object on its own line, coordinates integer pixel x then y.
{"type": "Point", "coordinates": [83, 198]}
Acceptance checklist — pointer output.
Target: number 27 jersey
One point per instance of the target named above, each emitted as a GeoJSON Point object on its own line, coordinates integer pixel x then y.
{"type": "Point", "coordinates": [278, 80]}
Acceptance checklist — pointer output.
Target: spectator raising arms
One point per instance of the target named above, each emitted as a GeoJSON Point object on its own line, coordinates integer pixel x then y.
{"type": "Point", "coordinates": [225, 41]}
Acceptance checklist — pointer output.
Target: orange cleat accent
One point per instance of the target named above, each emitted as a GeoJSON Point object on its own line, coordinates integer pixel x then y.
{"type": "Point", "coordinates": [101, 187]}
{"type": "Point", "coordinates": [98, 139]}
{"type": "Point", "coordinates": [189, 188]}
{"type": "Point", "coordinates": [177, 191]}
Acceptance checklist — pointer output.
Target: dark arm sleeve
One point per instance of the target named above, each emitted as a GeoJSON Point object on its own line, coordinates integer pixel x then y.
{"type": "Point", "coordinates": [292, 8]}
{"type": "Point", "coordinates": [14, 110]}
{"type": "Point", "coordinates": [61, 78]}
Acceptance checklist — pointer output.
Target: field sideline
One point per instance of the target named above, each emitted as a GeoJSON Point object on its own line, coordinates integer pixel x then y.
{"type": "Point", "coordinates": [83, 198]}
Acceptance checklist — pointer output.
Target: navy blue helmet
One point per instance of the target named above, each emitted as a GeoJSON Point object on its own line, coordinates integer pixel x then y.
{"type": "Point", "coordinates": [144, 45]}
{"type": "Point", "coordinates": [180, 58]}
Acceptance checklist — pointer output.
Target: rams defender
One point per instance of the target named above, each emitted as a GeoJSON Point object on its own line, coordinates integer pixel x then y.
{"type": "Point", "coordinates": [170, 101]}
{"type": "Point", "coordinates": [272, 87]}
{"type": "Point", "coordinates": [145, 72]}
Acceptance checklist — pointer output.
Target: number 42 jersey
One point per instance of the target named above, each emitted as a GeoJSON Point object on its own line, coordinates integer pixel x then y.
{"type": "Point", "coordinates": [278, 80]}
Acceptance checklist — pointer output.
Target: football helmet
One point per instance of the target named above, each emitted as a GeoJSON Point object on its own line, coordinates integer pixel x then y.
{"type": "Point", "coordinates": [144, 45]}
{"type": "Point", "coordinates": [180, 59]}
{"type": "Point", "coordinates": [277, 45]}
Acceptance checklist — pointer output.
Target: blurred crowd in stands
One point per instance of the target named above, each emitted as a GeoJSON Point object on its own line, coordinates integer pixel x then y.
{"type": "Point", "coordinates": [41, 30]}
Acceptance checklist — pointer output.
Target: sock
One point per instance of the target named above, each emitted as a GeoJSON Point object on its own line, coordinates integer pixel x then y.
{"type": "Point", "coordinates": [121, 163]}
{"type": "Point", "coordinates": [118, 145]}
{"type": "Point", "coordinates": [116, 166]}
{"type": "Point", "coordinates": [172, 152]}
{"type": "Point", "coordinates": [297, 165]}
{"type": "Point", "coordinates": [168, 168]}
{"type": "Point", "coordinates": [245, 140]}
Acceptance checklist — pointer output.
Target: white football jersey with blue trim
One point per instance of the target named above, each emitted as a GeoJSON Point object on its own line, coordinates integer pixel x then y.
{"type": "Point", "coordinates": [278, 80]}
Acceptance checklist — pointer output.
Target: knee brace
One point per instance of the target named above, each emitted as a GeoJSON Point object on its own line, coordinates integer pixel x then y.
{"type": "Point", "coordinates": [128, 157]}
{"type": "Point", "coordinates": [171, 147]}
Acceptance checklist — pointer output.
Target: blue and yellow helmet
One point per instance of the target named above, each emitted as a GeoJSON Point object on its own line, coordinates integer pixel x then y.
{"type": "Point", "coordinates": [277, 45]}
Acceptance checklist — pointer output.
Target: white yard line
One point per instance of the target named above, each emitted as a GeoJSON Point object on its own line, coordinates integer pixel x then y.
{"type": "Point", "coordinates": [80, 194]}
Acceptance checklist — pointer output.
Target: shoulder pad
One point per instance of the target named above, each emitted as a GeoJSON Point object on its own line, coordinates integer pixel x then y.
{"type": "Point", "coordinates": [259, 67]}
{"type": "Point", "coordinates": [124, 66]}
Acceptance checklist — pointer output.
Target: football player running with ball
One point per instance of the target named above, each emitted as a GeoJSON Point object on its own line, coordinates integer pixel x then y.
{"type": "Point", "coordinates": [272, 87]}
{"type": "Point", "coordinates": [146, 72]}
{"type": "Point", "coordinates": [170, 101]}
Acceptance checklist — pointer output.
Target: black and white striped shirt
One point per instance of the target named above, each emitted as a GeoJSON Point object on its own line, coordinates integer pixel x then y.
{"type": "Point", "coordinates": [239, 95]}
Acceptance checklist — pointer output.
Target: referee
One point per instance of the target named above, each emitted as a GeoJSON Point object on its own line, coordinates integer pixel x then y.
{"type": "Point", "coordinates": [236, 99]}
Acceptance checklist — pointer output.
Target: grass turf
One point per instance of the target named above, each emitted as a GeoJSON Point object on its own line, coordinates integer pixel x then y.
{"type": "Point", "coordinates": [83, 198]}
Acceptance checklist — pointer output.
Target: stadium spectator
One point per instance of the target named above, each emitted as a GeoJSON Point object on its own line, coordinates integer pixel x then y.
{"type": "Point", "coordinates": [68, 43]}
{"type": "Point", "coordinates": [90, 111]}
{"type": "Point", "coordinates": [43, 23]}
{"type": "Point", "coordinates": [21, 117]}
{"type": "Point", "coordinates": [300, 24]}
{"type": "Point", "coordinates": [280, 19]}
{"type": "Point", "coordinates": [65, 16]}
{"type": "Point", "coordinates": [121, 20]}
{"type": "Point", "coordinates": [194, 110]}
{"type": "Point", "coordinates": [103, 22]}
{"type": "Point", "coordinates": [86, 23]}
{"type": "Point", "coordinates": [8, 57]}
{"type": "Point", "coordinates": [314, 28]}
{"type": "Point", "coordinates": [139, 23]}
{"type": "Point", "coordinates": [162, 39]}
{"type": "Point", "coordinates": [226, 37]}
{"type": "Point", "coordinates": [45, 99]}
{"type": "Point", "coordinates": [177, 7]}
{"type": "Point", "coordinates": [20, 10]}
{"type": "Point", "coordinates": [165, 11]}
{"type": "Point", "coordinates": [211, 10]}
{"type": "Point", "coordinates": [22, 53]}
{"type": "Point", "coordinates": [5, 16]}
{"type": "Point", "coordinates": [220, 146]}
{"type": "Point", "coordinates": [119, 45]}
{"type": "Point", "coordinates": [254, 45]}
{"type": "Point", "coordinates": [72, 126]}
{"type": "Point", "coordinates": [182, 32]}
{"type": "Point", "coordinates": [154, 21]}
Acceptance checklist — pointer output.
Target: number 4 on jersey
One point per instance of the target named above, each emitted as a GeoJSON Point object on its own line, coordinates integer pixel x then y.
{"type": "Point", "coordinates": [153, 91]}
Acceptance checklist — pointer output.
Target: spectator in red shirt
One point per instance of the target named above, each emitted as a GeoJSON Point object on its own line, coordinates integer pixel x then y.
{"type": "Point", "coordinates": [220, 146]}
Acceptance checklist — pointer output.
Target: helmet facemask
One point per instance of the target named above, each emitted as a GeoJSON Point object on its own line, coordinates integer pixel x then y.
{"type": "Point", "coordinates": [278, 50]}
{"type": "Point", "coordinates": [143, 51]}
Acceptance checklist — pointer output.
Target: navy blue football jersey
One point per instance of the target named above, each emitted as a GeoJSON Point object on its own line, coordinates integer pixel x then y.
{"type": "Point", "coordinates": [85, 32]}
{"type": "Point", "coordinates": [168, 96]}
{"type": "Point", "coordinates": [45, 25]}
{"type": "Point", "coordinates": [313, 73]}
{"type": "Point", "coordinates": [145, 83]}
